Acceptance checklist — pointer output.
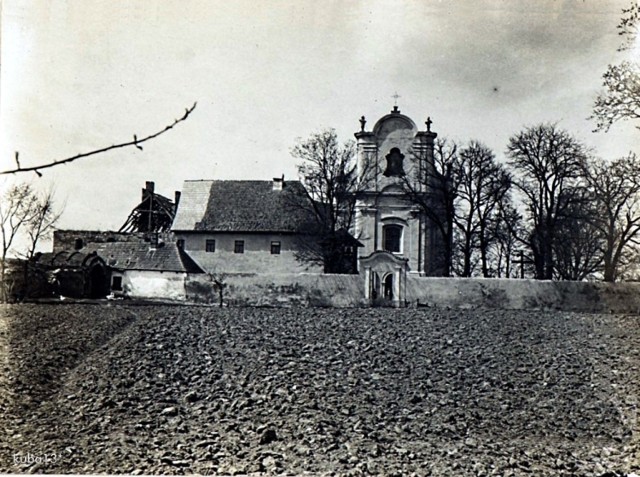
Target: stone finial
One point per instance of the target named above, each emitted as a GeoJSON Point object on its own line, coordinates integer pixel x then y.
{"type": "Point", "coordinates": [428, 122]}
{"type": "Point", "coordinates": [363, 121]}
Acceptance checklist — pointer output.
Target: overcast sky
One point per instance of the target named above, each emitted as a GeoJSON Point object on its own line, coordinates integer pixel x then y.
{"type": "Point", "coordinates": [78, 75]}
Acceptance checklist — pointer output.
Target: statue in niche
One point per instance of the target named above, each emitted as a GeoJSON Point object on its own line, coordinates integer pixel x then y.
{"type": "Point", "coordinates": [394, 163]}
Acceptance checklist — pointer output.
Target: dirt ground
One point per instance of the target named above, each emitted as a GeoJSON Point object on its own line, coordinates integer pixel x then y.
{"type": "Point", "coordinates": [181, 390]}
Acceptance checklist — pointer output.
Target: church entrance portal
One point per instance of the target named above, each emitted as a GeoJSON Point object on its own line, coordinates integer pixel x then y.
{"type": "Point", "coordinates": [391, 287]}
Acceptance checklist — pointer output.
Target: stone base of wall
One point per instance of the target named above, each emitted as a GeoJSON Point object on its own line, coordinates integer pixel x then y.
{"type": "Point", "coordinates": [348, 291]}
{"type": "Point", "coordinates": [596, 297]}
{"type": "Point", "coordinates": [281, 290]}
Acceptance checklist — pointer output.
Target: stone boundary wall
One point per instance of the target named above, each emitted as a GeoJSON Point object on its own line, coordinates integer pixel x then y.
{"type": "Point", "coordinates": [277, 290]}
{"type": "Point", "coordinates": [348, 291]}
{"type": "Point", "coordinates": [516, 294]}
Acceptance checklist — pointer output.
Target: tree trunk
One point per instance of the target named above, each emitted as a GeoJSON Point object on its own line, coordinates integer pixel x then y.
{"type": "Point", "coordinates": [466, 253]}
{"type": "Point", "coordinates": [609, 268]}
{"type": "Point", "coordinates": [3, 282]}
{"type": "Point", "coordinates": [483, 255]}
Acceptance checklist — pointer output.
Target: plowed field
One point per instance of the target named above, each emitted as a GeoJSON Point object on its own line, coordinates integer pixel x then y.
{"type": "Point", "coordinates": [182, 390]}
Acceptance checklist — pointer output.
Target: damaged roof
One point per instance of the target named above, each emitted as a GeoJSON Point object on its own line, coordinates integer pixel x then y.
{"type": "Point", "coordinates": [68, 259]}
{"type": "Point", "coordinates": [127, 256]}
{"type": "Point", "coordinates": [241, 206]}
{"type": "Point", "coordinates": [162, 212]}
{"type": "Point", "coordinates": [143, 256]}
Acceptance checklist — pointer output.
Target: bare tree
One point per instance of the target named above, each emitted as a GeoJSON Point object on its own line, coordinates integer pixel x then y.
{"type": "Point", "coordinates": [548, 165]}
{"type": "Point", "coordinates": [621, 98]}
{"type": "Point", "coordinates": [433, 187]}
{"type": "Point", "coordinates": [628, 26]}
{"type": "Point", "coordinates": [332, 183]}
{"type": "Point", "coordinates": [136, 142]}
{"type": "Point", "coordinates": [507, 227]}
{"type": "Point", "coordinates": [43, 222]}
{"type": "Point", "coordinates": [578, 245]}
{"type": "Point", "coordinates": [219, 285]}
{"type": "Point", "coordinates": [17, 209]}
{"type": "Point", "coordinates": [615, 188]}
{"type": "Point", "coordinates": [482, 185]}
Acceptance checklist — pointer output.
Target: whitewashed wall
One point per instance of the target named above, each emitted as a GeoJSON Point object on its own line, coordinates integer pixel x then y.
{"type": "Point", "coordinates": [154, 284]}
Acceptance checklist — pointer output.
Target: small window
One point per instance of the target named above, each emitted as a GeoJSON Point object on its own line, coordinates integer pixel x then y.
{"type": "Point", "coordinates": [79, 244]}
{"type": "Point", "coordinates": [275, 248]}
{"type": "Point", "coordinates": [116, 283]}
{"type": "Point", "coordinates": [392, 235]}
{"type": "Point", "coordinates": [238, 246]}
{"type": "Point", "coordinates": [180, 244]}
{"type": "Point", "coordinates": [210, 245]}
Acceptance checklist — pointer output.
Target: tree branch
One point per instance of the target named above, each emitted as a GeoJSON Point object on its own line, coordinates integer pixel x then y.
{"type": "Point", "coordinates": [136, 142]}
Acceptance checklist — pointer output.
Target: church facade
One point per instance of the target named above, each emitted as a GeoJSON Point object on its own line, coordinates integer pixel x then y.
{"type": "Point", "coordinates": [398, 237]}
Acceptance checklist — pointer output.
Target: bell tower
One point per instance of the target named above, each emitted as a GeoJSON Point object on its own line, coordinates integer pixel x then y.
{"type": "Point", "coordinates": [390, 157]}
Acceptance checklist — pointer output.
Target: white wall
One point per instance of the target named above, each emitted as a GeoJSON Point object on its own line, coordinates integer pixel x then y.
{"type": "Point", "coordinates": [154, 284]}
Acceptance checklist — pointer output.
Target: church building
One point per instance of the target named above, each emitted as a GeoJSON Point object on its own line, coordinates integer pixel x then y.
{"type": "Point", "coordinates": [398, 237]}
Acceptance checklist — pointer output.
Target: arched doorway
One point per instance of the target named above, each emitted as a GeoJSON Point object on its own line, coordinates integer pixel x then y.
{"type": "Point", "coordinates": [387, 289]}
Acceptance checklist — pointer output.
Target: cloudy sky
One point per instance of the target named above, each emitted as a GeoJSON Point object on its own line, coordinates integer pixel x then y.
{"type": "Point", "coordinates": [81, 74]}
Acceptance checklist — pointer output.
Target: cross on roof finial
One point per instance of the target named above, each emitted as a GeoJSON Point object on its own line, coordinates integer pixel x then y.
{"type": "Point", "coordinates": [428, 123]}
{"type": "Point", "coordinates": [395, 97]}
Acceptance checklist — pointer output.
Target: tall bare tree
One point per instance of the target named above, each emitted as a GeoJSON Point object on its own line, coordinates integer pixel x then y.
{"type": "Point", "coordinates": [332, 181]}
{"type": "Point", "coordinates": [17, 209]}
{"type": "Point", "coordinates": [507, 227]}
{"type": "Point", "coordinates": [615, 188]}
{"type": "Point", "coordinates": [547, 165]}
{"type": "Point", "coordinates": [482, 185]}
{"type": "Point", "coordinates": [43, 222]}
{"type": "Point", "coordinates": [579, 243]}
{"type": "Point", "coordinates": [433, 188]}
{"type": "Point", "coordinates": [621, 97]}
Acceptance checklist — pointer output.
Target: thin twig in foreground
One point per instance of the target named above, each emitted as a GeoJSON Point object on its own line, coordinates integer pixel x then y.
{"type": "Point", "coordinates": [136, 142]}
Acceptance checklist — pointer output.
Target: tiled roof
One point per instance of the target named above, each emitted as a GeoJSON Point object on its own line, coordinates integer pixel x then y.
{"type": "Point", "coordinates": [193, 204]}
{"type": "Point", "coordinates": [125, 256]}
{"type": "Point", "coordinates": [142, 256]}
{"type": "Point", "coordinates": [240, 206]}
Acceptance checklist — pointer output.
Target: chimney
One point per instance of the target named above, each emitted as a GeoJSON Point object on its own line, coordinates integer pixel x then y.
{"type": "Point", "coordinates": [278, 183]}
{"type": "Point", "coordinates": [149, 186]}
{"type": "Point", "coordinates": [176, 199]}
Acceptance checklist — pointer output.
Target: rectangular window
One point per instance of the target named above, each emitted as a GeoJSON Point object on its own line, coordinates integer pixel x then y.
{"type": "Point", "coordinates": [116, 283]}
{"type": "Point", "coordinates": [275, 248]}
{"type": "Point", "coordinates": [210, 245]}
{"type": "Point", "coordinates": [392, 236]}
{"type": "Point", "coordinates": [180, 244]}
{"type": "Point", "coordinates": [238, 246]}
